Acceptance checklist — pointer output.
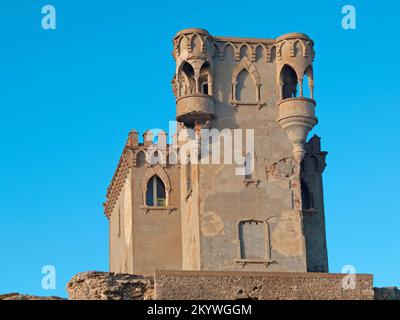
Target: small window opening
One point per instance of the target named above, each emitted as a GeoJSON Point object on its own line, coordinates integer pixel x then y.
{"type": "Point", "coordinates": [204, 88]}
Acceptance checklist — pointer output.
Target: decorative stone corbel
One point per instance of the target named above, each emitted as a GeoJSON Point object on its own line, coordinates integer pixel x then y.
{"type": "Point", "coordinates": [296, 117]}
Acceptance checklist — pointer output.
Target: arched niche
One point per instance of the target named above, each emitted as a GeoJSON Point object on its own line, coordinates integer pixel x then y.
{"type": "Point", "coordinates": [240, 73]}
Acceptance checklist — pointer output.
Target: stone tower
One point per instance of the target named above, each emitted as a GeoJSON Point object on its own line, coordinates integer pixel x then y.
{"type": "Point", "coordinates": [170, 209]}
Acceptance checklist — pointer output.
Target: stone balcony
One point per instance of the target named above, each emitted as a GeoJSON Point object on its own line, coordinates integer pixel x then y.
{"type": "Point", "coordinates": [195, 107]}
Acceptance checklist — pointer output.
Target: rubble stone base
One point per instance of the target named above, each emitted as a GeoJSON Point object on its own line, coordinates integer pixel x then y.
{"type": "Point", "coordinates": [95, 285]}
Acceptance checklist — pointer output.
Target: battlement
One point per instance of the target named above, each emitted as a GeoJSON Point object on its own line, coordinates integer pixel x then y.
{"type": "Point", "coordinates": [196, 42]}
{"type": "Point", "coordinates": [152, 149]}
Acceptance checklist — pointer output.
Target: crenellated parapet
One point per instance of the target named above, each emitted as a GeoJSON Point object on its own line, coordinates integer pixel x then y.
{"type": "Point", "coordinates": [196, 53]}
{"type": "Point", "coordinates": [198, 43]}
{"type": "Point", "coordinates": [152, 151]}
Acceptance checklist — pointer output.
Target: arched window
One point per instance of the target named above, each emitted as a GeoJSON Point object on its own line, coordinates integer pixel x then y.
{"type": "Point", "coordinates": [155, 193]}
{"type": "Point", "coordinates": [308, 83]}
{"type": "Point", "coordinates": [204, 79]}
{"type": "Point", "coordinates": [289, 82]}
{"type": "Point", "coordinates": [186, 80]}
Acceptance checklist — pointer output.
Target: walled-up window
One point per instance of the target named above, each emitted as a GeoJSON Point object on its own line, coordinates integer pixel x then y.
{"type": "Point", "coordinates": [244, 52]}
{"type": "Point", "coordinates": [252, 240]}
{"type": "Point", "coordinates": [259, 53]}
{"type": "Point", "coordinates": [273, 54]}
{"type": "Point", "coordinates": [155, 194]}
{"type": "Point", "coordinates": [289, 81]}
{"type": "Point", "coordinates": [229, 52]}
{"type": "Point", "coordinates": [246, 90]}
{"type": "Point", "coordinates": [141, 159]}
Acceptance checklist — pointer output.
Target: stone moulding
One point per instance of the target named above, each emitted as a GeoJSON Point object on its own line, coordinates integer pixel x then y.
{"type": "Point", "coordinates": [147, 209]}
{"type": "Point", "coordinates": [243, 262]}
{"type": "Point", "coordinates": [235, 104]}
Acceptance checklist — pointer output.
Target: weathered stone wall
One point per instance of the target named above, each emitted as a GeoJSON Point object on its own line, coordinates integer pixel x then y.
{"type": "Point", "coordinates": [94, 285]}
{"type": "Point", "coordinates": [388, 293]}
{"type": "Point", "coordinates": [120, 234]}
{"type": "Point", "coordinates": [171, 285]}
{"type": "Point", "coordinates": [192, 285]}
{"type": "Point", "coordinates": [144, 238]}
{"type": "Point", "coordinates": [313, 206]}
{"type": "Point", "coordinates": [245, 82]}
{"type": "Point", "coordinates": [156, 232]}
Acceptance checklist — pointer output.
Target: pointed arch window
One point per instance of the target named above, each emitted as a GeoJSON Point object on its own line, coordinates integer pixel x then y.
{"type": "Point", "coordinates": [289, 82]}
{"type": "Point", "coordinates": [205, 79]}
{"type": "Point", "coordinates": [186, 80]}
{"type": "Point", "coordinates": [155, 193]}
{"type": "Point", "coordinates": [308, 83]}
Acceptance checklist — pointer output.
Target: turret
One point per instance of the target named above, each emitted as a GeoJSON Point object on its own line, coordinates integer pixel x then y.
{"type": "Point", "coordinates": [192, 82]}
{"type": "Point", "coordinates": [295, 55]}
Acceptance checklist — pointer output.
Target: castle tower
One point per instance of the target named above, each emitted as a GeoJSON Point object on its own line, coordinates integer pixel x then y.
{"type": "Point", "coordinates": [258, 205]}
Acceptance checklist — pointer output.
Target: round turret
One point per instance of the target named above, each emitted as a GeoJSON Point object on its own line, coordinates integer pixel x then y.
{"type": "Point", "coordinates": [193, 80]}
{"type": "Point", "coordinates": [295, 55]}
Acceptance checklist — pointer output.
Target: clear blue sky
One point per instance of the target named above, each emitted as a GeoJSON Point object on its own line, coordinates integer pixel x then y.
{"type": "Point", "coordinates": [68, 98]}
